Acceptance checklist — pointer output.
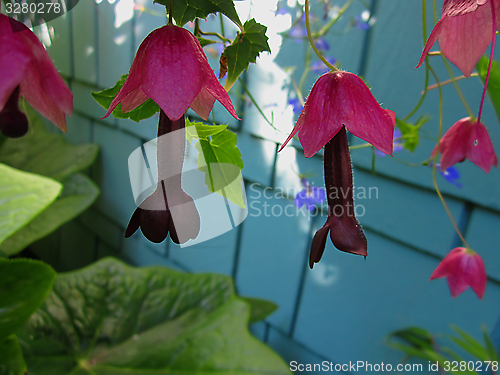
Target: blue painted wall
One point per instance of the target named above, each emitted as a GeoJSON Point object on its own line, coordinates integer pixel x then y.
{"type": "Point", "coordinates": [343, 309]}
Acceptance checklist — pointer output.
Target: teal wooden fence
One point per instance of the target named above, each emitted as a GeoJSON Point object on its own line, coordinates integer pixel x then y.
{"type": "Point", "coordinates": [343, 309]}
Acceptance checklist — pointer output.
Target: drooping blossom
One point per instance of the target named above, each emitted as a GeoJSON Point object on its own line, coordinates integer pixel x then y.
{"type": "Point", "coordinates": [171, 68]}
{"type": "Point", "coordinates": [397, 144]}
{"type": "Point", "coordinates": [309, 196]}
{"type": "Point", "coordinates": [464, 32]}
{"type": "Point", "coordinates": [345, 231]}
{"type": "Point", "coordinates": [462, 268]}
{"type": "Point", "coordinates": [467, 139]}
{"type": "Point", "coordinates": [342, 99]}
{"type": "Point", "coordinates": [28, 71]}
{"type": "Point", "coordinates": [168, 209]}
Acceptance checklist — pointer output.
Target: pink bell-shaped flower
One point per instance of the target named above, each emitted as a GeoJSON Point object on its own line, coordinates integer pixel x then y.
{"type": "Point", "coordinates": [342, 99]}
{"type": "Point", "coordinates": [171, 68]}
{"type": "Point", "coordinates": [469, 139]}
{"type": "Point", "coordinates": [25, 64]}
{"type": "Point", "coordinates": [464, 32]}
{"type": "Point", "coordinates": [462, 268]}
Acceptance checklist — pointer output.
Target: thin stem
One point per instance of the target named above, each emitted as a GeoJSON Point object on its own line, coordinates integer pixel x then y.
{"type": "Point", "coordinates": [332, 22]}
{"type": "Point", "coordinates": [424, 34]}
{"type": "Point", "coordinates": [434, 180]}
{"type": "Point", "coordinates": [448, 81]}
{"type": "Point", "coordinates": [171, 2]}
{"type": "Point", "coordinates": [221, 37]}
{"type": "Point", "coordinates": [311, 40]}
{"type": "Point", "coordinates": [245, 88]}
{"type": "Point", "coordinates": [491, 61]}
{"type": "Point", "coordinates": [222, 25]}
{"type": "Point", "coordinates": [459, 92]}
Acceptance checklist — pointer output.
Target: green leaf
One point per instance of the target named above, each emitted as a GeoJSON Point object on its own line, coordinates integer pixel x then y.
{"type": "Point", "coordinates": [78, 194]}
{"type": "Point", "coordinates": [187, 10]}
{"type": "Point", "coordinates": [410, 132]}
{"type": "Point", "coordinates": [470, 345]}
{"type": "Point", "coordinates": [260, 309]}
{"type": "Point", "coordinates": [144, 111]}
{"type": "Point", "coordinates": [244, 50]}
{"type": "Point", "coordinates": [22, 197]}
{"type": "Point", "coordinates": [493, 83]}
{"type": "Point", "coordinates": [47, 154]}
{"type": "Point", "coordinates": [110, 318]}
{"type": "Point", "coordinates": [199, 130]}
{"type": "Point", "coordinates": [415, 336]}
{"type": "Point", "coordinates": [24, 285]}
{"type": "Point", "coordinates": [220, 160]}
{"type": "Point", "coordinates": [492, 353]}
{"type": "Point", "coordinates": [11, 357]}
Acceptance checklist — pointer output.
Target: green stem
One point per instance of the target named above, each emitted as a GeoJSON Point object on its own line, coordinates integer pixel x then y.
{"type": "Point", "coordinates": [245, 88]}
{"type": "Point", "coordinates": [434, 162]}
{"type": "Point", "coordinates": [332, 22]}
{"type": "Point", "coordinates": [171, 2]}
{"type": "Point", "coordinates": [311, 41]}
{"type": "Point", "coordinates": [221, 37]}
{"type": "Point", "coordinates": [459, 92]}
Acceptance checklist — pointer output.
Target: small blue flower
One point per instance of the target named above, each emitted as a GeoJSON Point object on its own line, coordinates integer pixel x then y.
{"type": "Point", "coordinates": [319, 66]}
{"type": "Point", "coordinates": [295, 103]}
{"type": "Point", "coordinates": [360, 23]}
{"type": "Point", "coordinates": [451, 175]}
{"type": "Point", "coordinates": [281, 11]}
{"type": "Point", "coordinates": [309, 196]}
{"type": "Point", "coordinates": [397, 143]}
{"type": "Point", "coordinates": [322, 44]}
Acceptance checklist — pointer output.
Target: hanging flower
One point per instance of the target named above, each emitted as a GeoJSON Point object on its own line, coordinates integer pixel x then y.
{"type": "Point", "coordinates": [345, 231]}
{"type": "Point", "coordinates": [309, 196]}
{"type": "Point", "coordinates": [28, 71]}
{"type": "Point", "coordinates": [462, 268]}
{"type": "Point", "coordinates": [169, 209]}
{"type": "Point", "coordinates": [464, 32]}
{"type": "Point", "coordinates": [341, 98]}
{"type": "Point", "coordinates": [171, 68]}
{"type": "Point", "coordinates": [467, 138]}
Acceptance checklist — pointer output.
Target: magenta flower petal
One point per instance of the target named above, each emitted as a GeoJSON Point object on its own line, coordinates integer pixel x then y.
{"type": "Point", "coordinates": [464, 32]}
{"type": "Point", "coordinates": [342, 98]}
{"type": "Point", "coordinates": [25, 63]}
{"type": "Point", "coordinates": [462, 268]}
{"type": "Point", "coordinates": [171, 68]}
{"type": "Point", "coordinates": [467, 139]}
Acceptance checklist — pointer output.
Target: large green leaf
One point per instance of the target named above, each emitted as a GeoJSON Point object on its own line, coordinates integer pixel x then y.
{"type": "Point", "coordinates": [244, 50]}
{"type": "Point", "coordinates": [44, 153]}
{"type": "Point", "coordinates": [24, 285]}
{"type": "Point", "coordinates": [22, 197]}
{"type": "Point", "coordinates": [220, 160]}
{"type": "Point", "coordinates": [112, 319]}
{"type": "Point", "coordinates": [78, 194]}
{"type": "Point", "coordinates": [186, 10]}
{"type": "Point", "coordinates": [493, 83]}
{"type": "Point", "coordinates": [144, 111]}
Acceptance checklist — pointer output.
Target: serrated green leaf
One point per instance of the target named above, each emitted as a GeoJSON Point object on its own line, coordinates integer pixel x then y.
{"type": "Point", "coordinates": [78, 194]}
{"type": "Point", "coordinates": [493, 82]}
{"type": "Point", "coordinates": [244, 50]}
{"type": "Point", "coordinates": [145, 110]}
{"type": "Point", "coordinates": [220, 160]}
{"type": "Point", "coordinates": [110, 318]}
{"type": "Point", "coordinates": [260, 309]}
{"type": "Point", "coordinates": [45, 153]}
{"type": "Point", "coordinates": [22, 197]}
{"type": "Point", "coordinates": [187, 10]}
{"type": "Point", "coordinates": [199, 130]}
